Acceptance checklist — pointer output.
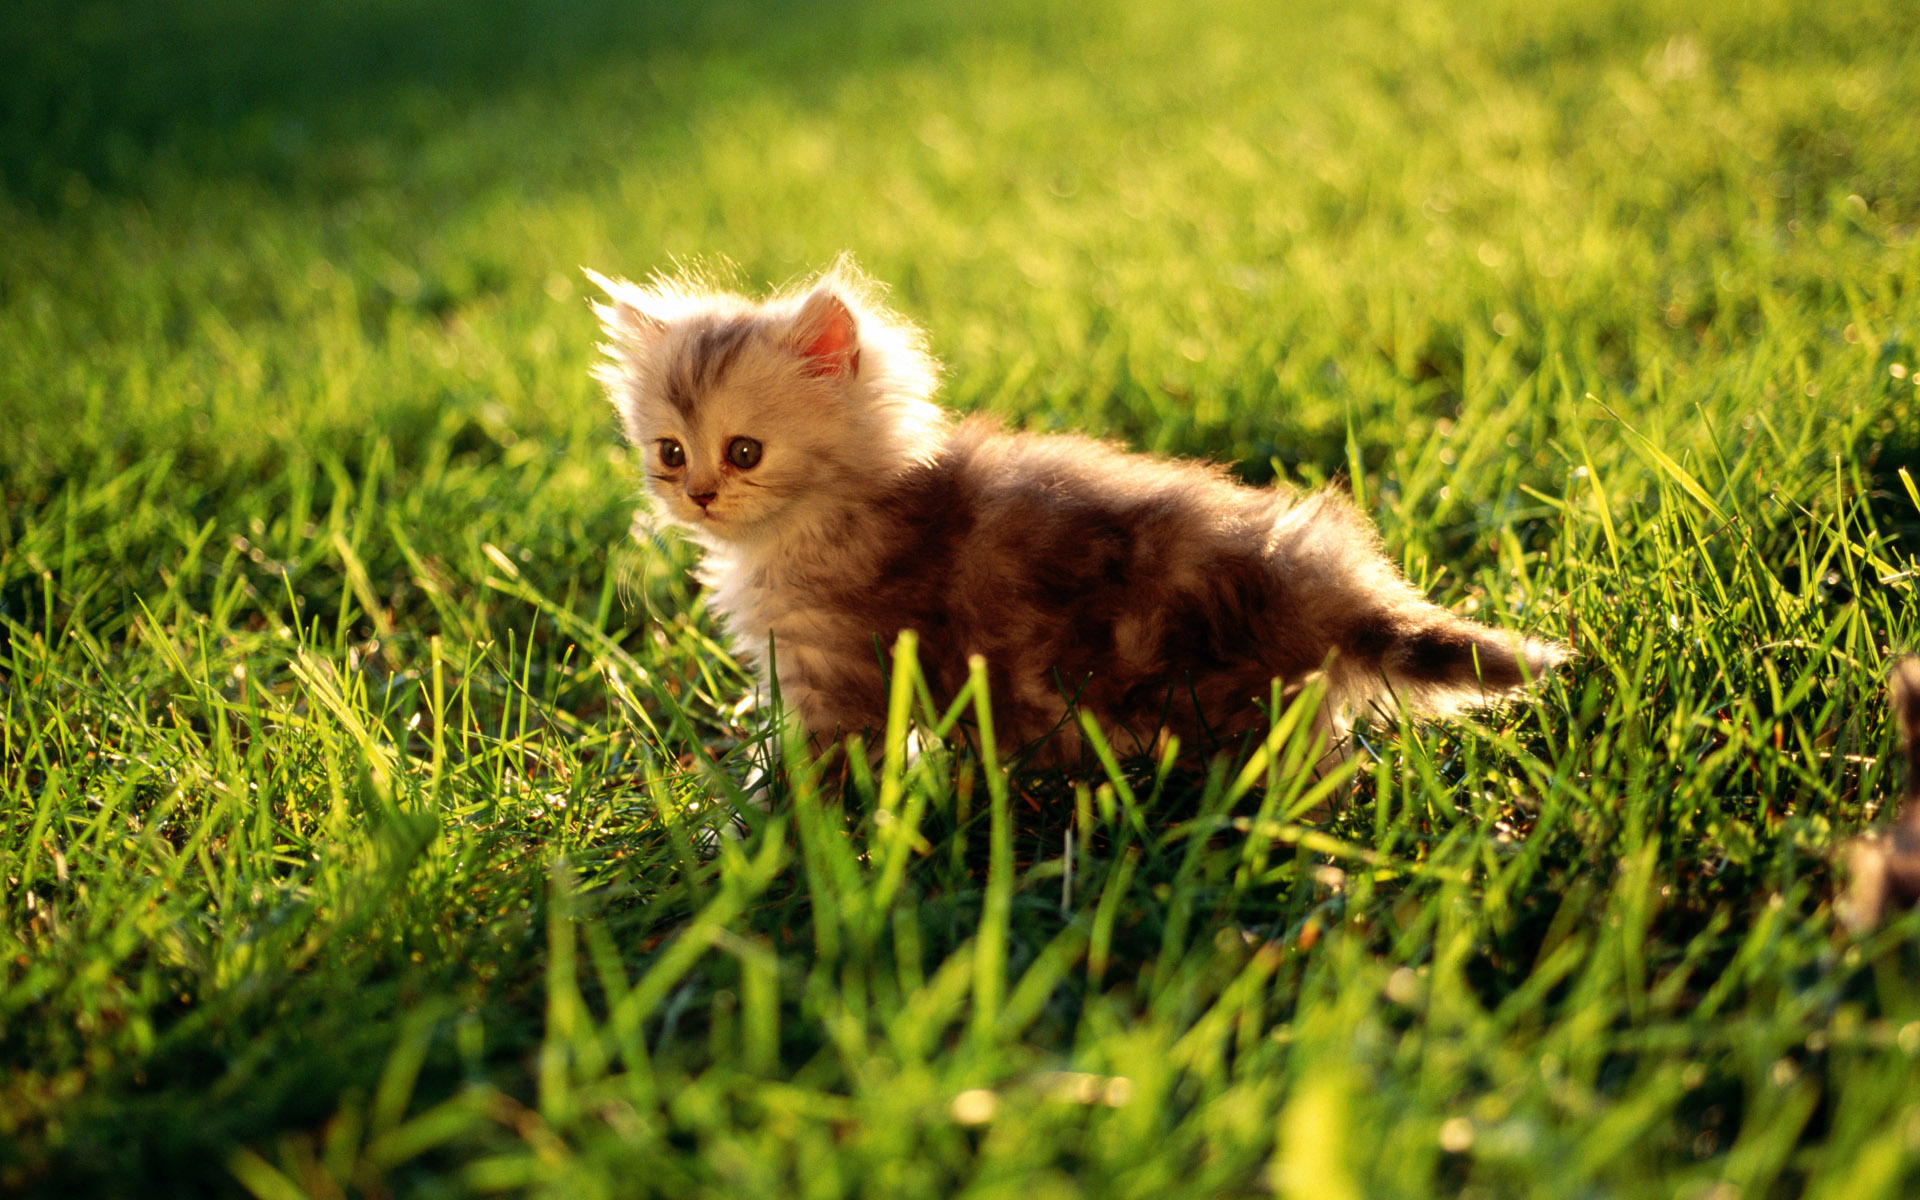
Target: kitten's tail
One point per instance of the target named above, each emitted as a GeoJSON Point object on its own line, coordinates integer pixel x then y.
{"type": "Point", "coordinates": [1438, 664]}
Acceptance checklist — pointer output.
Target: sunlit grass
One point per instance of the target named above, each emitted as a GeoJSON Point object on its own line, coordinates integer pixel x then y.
{"type": "Point", "coordinates": [367, 792]}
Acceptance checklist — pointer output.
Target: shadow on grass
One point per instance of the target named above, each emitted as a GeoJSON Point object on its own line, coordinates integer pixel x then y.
{"type": "Point", "coordinates": [92, 94]}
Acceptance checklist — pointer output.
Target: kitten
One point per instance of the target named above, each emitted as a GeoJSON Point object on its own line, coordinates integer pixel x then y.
{"type": "Point", "coordinates": [1885, 867]}
{"type": "Point", "coordinates": [796, 441]}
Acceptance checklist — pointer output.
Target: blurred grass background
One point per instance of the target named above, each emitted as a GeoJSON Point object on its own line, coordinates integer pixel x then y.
{"type": "Point", "coordinates": [355, 758]}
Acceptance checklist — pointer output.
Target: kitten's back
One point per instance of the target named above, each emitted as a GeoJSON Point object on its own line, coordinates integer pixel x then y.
{"type": "Point", "coordinates": [1161, 595]}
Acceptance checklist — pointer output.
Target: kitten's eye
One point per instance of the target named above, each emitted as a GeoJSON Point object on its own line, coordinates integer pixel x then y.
{"type": "Point", "coordinates": [672, 454]}
{"type": "Point", "coordinates": [743, 453]}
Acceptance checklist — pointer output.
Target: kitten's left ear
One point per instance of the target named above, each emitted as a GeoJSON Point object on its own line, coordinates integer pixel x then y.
{"type": "Point", "coordinates": [631, 327]}
{"type": "Point", "coordinates": [827, 336]}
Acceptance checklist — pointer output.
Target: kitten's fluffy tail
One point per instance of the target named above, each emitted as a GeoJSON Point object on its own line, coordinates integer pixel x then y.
{"type": "Point", "coordinates": [1438, 664]}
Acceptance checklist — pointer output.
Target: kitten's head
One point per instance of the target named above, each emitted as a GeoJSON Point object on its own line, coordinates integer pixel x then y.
{"type": "Point", "coordinates": [757, 417]}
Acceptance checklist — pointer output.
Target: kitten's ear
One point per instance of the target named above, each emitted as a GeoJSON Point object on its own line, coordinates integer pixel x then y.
{"type": "Point", "coordinates": [827, 336]}
{"type": "Point", "coordinates": [632, 328]}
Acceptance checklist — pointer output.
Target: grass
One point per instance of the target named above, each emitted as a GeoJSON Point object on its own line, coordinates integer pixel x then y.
{"type": "Point", "coordinates": [359, 774]}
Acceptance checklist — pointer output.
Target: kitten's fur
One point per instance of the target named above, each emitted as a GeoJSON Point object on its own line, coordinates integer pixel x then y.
{"type": "Point", "coordinates": [1161, 596]}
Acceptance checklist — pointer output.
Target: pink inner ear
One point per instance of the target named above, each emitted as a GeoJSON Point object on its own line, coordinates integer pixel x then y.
{"type": "Point", "coordinates": [831, 344]}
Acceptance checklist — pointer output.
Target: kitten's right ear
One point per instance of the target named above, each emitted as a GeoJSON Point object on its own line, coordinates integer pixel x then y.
{"type": "Point", "coordinates": [633, 329]}
{"type": "Point", "coordinates": [827, 336]}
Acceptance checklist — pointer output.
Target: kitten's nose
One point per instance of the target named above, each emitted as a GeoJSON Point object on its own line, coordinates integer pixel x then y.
{"type": "Point", "coordinates": [702, 498]}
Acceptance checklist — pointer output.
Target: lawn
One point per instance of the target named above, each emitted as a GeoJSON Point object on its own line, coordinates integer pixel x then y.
{"type": "Point", "coordinates": [363, 779]}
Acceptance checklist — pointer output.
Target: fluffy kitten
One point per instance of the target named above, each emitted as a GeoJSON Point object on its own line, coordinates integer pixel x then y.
{"type": "Point", "coordinates": [797, 442]}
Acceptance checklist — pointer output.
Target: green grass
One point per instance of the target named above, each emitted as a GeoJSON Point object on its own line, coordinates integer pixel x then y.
{"type": "Point", "coordinates": [358, 772]}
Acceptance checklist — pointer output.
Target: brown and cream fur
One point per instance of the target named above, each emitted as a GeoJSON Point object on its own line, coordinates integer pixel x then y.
{"type": "Point", "coordinates": [1161, 596]}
